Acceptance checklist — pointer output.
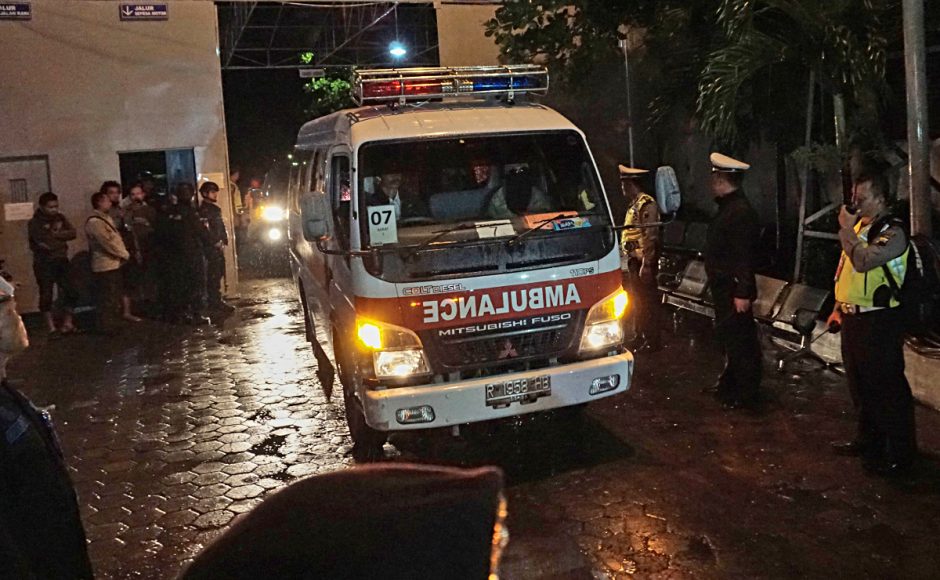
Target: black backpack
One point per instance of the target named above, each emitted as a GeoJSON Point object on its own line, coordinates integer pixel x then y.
{"type": "Point", "coordinates": [919, 293]}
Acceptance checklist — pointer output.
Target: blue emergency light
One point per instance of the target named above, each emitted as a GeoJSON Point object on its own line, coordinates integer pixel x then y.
{"type": "Point", "coordinates": [404, 84]}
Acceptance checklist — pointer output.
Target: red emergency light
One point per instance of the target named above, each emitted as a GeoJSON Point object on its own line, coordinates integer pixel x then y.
{"type": "Point", "coordinates": [401, 85]}
{"type": "Point", "coordinates": [384, 89]}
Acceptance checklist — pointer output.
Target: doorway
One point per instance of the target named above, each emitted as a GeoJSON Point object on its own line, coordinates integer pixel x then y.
{"type": "Point", "coordinates": [22, 181]}
{"type": "Point", "coordinates": [166, 168]}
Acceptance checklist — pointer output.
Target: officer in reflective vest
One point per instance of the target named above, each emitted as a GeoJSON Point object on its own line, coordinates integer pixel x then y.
{"type": "Point", "coordinates": [639, 250]}
{"type": "Point", "coordinates": [730, 261]}
{"type": "Point", "coordinates": [874, 246]}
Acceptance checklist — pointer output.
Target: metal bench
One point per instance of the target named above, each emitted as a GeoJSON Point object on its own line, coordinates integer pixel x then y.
{"type": "Point", "coordinates": [692, 291]}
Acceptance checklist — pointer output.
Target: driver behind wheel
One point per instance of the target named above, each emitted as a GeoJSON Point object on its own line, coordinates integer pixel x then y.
{"type": "Point", "coordinates": [408, 203]}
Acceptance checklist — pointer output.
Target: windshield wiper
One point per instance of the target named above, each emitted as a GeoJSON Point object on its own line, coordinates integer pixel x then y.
{"type": "Point", "coordinates": [538, 225]}
{"type": "Point", "coordinates": [457, 228]}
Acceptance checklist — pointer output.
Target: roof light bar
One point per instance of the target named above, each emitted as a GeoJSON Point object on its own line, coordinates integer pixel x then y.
{"type": "Point", "coordinates": [409, 84]}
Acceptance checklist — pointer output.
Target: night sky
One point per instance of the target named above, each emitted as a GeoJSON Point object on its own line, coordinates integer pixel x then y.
{"type": "Point", "coordinates": [263, 111]}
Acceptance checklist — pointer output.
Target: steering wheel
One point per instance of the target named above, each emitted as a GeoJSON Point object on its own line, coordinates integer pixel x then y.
{"type": "Point", "coordinates": [416, 221]}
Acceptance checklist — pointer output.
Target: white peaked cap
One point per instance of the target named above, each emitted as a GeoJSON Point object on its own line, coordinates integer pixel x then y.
{"type": "Point", "coordinates": [627, 172]}
{"type": "Point", "coordinates": [724, 163]}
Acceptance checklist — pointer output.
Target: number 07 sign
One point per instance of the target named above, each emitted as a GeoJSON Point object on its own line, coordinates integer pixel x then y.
{"type": "Point", "coordinates": [383, 229]}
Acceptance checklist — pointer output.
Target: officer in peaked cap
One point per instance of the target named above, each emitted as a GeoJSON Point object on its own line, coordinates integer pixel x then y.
{"type": "Point", "coordinates": [730, 260]}
{"type": "Point", "coordinates": [639, 251]}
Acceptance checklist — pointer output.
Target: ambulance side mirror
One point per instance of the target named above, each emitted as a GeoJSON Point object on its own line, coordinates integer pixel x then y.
{"type": "Point", "coordinates": [315, 216]}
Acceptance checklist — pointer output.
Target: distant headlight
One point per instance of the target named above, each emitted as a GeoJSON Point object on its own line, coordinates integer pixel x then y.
{"type": "Point", "coordinates": [275, 234]}
{"type": "Point", "coordinates": [273, 213]}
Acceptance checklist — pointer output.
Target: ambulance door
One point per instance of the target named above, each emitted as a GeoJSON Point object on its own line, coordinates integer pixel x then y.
{"type": "Point", "coordinates": [315, 271]}
{"type": "Point", "coordinates": [339, 187]}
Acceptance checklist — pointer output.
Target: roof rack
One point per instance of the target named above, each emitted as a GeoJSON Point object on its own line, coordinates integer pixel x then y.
{"type": "Point", "coordinates": [420, 84]}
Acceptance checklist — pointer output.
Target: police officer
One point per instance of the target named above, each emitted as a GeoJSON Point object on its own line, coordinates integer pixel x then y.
{"type": "Point", "coordinates": [181, 239]}
{"type": "Point", "coordinates": [730, 254]}
{"type": "Point", "coordinates": [874, 247]}
{"type": "Point", "coordinates": [211, 214]}
{"type": "Point", "coordinates": [639, 248]}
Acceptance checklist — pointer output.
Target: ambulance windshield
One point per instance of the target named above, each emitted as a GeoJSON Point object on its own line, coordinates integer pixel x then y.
{"type": "Point", "coordinates": [494, 186]}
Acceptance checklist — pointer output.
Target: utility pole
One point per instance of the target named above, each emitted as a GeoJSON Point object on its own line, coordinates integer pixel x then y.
{"type": "Point", "coordinates": [918, 164]}
{"type": "Point", "coordinates": [624, 44]}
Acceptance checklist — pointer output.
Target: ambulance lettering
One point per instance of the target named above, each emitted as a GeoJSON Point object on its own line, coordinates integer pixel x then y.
{"type": "Point", "coordinates": [524, 300]}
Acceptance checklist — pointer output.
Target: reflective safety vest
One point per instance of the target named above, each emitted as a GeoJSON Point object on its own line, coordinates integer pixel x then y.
{"type": "Point", "coordinates": [630, 237]}
{"type": "Point", "coordinates": [858, 288]}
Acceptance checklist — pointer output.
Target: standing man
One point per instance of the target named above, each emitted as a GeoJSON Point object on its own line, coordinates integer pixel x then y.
{"type": "Point", "coordinates": [211, 213]}
{"type": "Point", "coordinates": [107, 254]}
{"type": "Point", "coordinates": [129, 269]}
{"type": "Point", "coordinates": [871, 270]}
{"type": "Point", "coordinates": [141, 218]}
{"type": "Point", "coordinates": [730, 255]}
{"type": "Point", "coordinates": [639, 250]}
{"type": "Point", "coordinates": [49, 237]}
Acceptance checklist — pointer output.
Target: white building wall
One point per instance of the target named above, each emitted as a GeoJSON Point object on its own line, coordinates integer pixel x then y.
{"type": "Point", "coordinates": [79, 85]}
{"type": "Point", "coordinates": [461, 37]}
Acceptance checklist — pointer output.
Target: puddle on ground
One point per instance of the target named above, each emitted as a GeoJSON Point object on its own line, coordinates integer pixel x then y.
{"type": "Point", "coordinates": [269, 446]}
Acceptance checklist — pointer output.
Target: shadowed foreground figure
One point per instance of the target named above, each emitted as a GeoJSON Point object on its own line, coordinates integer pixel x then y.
{"type": "Point", "coordinates": [378, 521]}
{"type": "Point", "coordinates": [41, 533]}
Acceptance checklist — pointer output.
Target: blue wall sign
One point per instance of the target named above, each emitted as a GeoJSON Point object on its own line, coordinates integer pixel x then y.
{"type": "Point", "coordinates": [143, 11]}
{"type": "Point", "coordinates": [16, 11]}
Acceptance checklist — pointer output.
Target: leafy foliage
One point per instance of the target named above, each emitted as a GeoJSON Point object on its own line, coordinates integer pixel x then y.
{"type": "Point", "coordinates": [330, 93]}
{"type": "Point", "coordinates": [740, 66]}
{"type": "Point", "coordinates": [570, 37]}
{"type": "Point", "coordinates": [842, 41]}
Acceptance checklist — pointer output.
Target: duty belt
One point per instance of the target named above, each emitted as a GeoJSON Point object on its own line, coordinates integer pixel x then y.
{"type": "Point", "coordinates": [856, 309]}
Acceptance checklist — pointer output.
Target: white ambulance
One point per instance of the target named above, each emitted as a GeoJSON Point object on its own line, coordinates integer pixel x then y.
{"type": "Point", "coordinates": [454, 250]}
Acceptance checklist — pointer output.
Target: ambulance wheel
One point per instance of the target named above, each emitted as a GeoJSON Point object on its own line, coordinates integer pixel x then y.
{"type": "Point", "coordinates": [367, 442]}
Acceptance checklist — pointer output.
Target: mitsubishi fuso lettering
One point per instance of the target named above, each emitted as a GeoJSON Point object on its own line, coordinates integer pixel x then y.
{"type": "Point", "coordinates": [454, 252]}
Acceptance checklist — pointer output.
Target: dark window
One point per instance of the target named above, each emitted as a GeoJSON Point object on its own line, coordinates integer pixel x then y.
{"type": "Point", "coordinates": [167, 168]}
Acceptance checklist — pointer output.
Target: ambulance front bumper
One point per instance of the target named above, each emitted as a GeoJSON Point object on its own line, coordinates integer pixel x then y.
{"type": "Point", "coordinates": [466, 401]}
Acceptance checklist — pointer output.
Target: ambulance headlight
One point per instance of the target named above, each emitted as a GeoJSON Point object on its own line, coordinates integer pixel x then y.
{"type": "Point", "coordinates": [273, 213]}
{"type": "Point", "coordinates": [397, 352]}
{"type": "Point", "coordinates": [399, 364]}
{"type": "Point", "coordinates": [602, 327]}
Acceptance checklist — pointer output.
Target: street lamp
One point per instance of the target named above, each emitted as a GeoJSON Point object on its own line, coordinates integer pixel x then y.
{"type": "Point", "coordinates": [397, 49]}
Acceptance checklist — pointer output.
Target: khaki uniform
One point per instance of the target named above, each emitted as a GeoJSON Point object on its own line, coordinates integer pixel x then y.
{"type": "Point", "coordinates": [639, 250]}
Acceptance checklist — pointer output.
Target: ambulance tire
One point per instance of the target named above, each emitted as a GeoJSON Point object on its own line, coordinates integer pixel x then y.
{"type": "Point", "coordinates": [367, 442]}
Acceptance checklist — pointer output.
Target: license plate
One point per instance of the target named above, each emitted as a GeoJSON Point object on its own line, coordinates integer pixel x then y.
{"type": "Point", "coordinates": [520, 390]}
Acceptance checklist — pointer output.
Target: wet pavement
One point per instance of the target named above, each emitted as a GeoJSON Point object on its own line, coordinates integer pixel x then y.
{"type": "Point", "coordinates": [171, 432]}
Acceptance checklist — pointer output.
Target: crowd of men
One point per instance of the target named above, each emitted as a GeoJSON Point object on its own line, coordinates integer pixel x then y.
{"type": "Point", "coordinates": [160, 256]}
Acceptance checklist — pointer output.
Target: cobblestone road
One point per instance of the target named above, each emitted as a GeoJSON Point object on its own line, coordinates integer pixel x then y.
{"type": "Point", "coordinates": [171, 433]}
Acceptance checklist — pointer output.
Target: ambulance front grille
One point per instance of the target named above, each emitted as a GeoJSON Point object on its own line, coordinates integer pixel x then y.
{"type": "Point", "coordinates": [504, 348]}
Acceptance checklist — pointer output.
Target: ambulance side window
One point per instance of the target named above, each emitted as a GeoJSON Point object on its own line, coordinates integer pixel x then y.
{"type": "Point", "coordinates": [340, 198]}
{"type": "Point", "coordinates": [317, 174]}
{"type": "Point", "coordinates": [310, 166]}
{"type": "Point", "coordinates": [293, 187]}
